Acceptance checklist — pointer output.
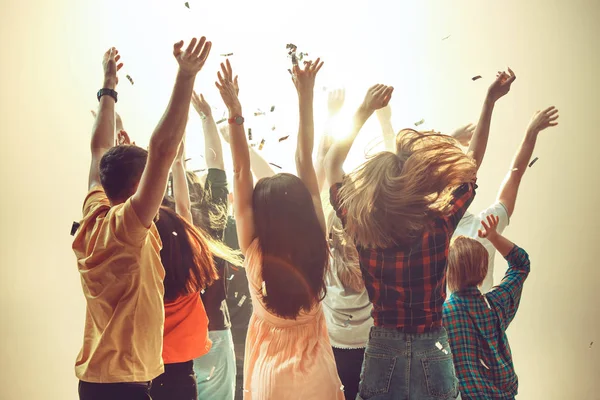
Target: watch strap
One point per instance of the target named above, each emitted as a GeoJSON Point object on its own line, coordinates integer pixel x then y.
{"type": "Point", "coordinates": [107, 92]}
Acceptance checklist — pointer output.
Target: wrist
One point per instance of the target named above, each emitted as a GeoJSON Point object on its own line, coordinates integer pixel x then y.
{"type": "Point", "coordinates": [185, 75]}
{"type": "Point", "coordinates": [532, 133]}
{"type": "Point", "coordinates": [109, 83]}
{"type": "Point", "coordinates": [235, 112]}
{"type": "Point", "coordinates": [364, 112]}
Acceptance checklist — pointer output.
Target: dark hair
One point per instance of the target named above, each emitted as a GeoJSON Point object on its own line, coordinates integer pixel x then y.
{"type": "Point", "coordinates": [208, 214]}
{"type": "Point", "coordinates": [295, 253]}
{"type": "Point", "coordinates": [121, 168]}
{"type": "Point", "coordinates": [185, 255]}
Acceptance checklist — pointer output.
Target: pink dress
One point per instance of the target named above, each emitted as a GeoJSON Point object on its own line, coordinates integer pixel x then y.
{"type": "Point", "coordinates": [286, 359]}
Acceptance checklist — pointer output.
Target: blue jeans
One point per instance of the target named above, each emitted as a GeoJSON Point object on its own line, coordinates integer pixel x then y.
{"type": "Point", "coordinates": [215, 371]}
{"type": "Point", "coordinates": [404, 366]}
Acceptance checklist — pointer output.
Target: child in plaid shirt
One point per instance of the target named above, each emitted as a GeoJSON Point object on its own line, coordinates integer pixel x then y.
{"type": "Point", "coordinates": [476, 323]}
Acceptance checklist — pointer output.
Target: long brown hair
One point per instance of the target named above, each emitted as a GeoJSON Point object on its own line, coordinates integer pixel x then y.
{"type": "Point", "coordinates": [295, 254]}
{"type": "Point", "coordinates": [209, 215]}
{"type": "Point", "coordinates": [391, 198]}
{"type": "Point", "coordinates": [467, 263]}
{"type": "Point", "coordinates": [345, 263]}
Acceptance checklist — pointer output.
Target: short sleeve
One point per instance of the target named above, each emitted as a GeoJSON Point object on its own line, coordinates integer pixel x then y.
{"type": "Point", "coordinates": [462, 197]}
{"type": "Point", "coordinates": [334, 199]}
{"type": "Point", "coordinates": [127, 225]}
{"type": "Point", "coordinates": [498, 209]}
{"type": "Point", "coordinates": [94, 199]}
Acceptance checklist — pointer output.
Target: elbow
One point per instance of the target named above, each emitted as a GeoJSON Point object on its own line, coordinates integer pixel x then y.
{"type": "Point", "coordinates": [162, 148]}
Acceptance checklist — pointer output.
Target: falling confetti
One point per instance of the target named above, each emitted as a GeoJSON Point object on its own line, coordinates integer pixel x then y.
{"type": "Point", "coordinates": [250, 134]}
{"type": "Point", "coordinates": [174, 233]}
{"type": "Point", "coordinates": [272, 108]}
{"type": "Point", "coordinates": [129, 79]}
{"type": "Point", "coordinates": [591, 343]}
{"type": "Point", "coordinates": [187, 159]}
{"type": "Point", "coordinates": [230, 278]}
{"type": "Point", "coordinates": [262, 143]}
{"type": "Point", "coordinates": [74, 228]}
{"type": "Point", "coordinates": [235, 295]}
{"type": "Point", "coordinates": [482, 363]}
{"type": "Point", "coordinates": [273, 128]}
{"type": "Point", "coordinates": [439, 345]}
{"type": "Point", "coordinates": [284, 138]}
{"type": "Point", "coordinates": [242, 300]}
{"type": "Point", "coordinates": [202, 291]}
{"type": "Point", "coordinates": [275, 165]}
{"type": "Point", "coordinates": [446, 37]}
{"type": "Point", "coordinates": [199, 170]}
{"type": "Point", "coordinates": [292, 53]}
{"type": "Point", "coordinates": [187, 4]}
{"type": "Point", "coordinates": [533, 161]}
{"type": "Point", "coordinates": [212, 371]}
{"type": "Point", "coordinates": [226, 55]}
{"type": "Point", "coordinates": [221, 121]}
{"type": "Point", "coordinates": [264, 288]}
{"type": "Point", "coordinates": [476, 77]}
{"type": "Point", "coordinates": [342, 388]}
{"type": "Point", "coordinates": [259, 113]}
{"type": "Point", "coordinates": [421, 122]}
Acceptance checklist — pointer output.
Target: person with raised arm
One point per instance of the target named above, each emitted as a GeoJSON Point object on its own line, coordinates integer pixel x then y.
{"type": "Point", "coordinates": [335, 103]}
{"type": "Point", "coordinates": [215, 371]}
{"type": "Point", "coordinates": [401, 210]}
{"type": "Point", "coordinates": [476, 322]}
{"type": "Point", "coordinates": [117, 245]}
{"type": "Point", "coordinates": [288, 354]}
{"type": "Point", "coordinates": [504, 205]}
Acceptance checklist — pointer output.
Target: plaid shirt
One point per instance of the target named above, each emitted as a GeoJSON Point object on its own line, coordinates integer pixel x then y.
{"type": "Point", "coordinates": [476, 332]}
{"type": "Point", "coordinates": [407, 285]}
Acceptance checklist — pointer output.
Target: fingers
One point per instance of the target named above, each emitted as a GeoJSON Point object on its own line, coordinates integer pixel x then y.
{"type": "Point", "coordinates": [199, 47]}
{"type": "Point", "coordinates": [221, 80]}
{"type": "Point", "coordinates": [229, 75]}
{"type": "Point", "coordinates": [485, 226]}
{"type": "Point", "coordinates": [177, 48]}
{"type": "Point", "coordinates": [225, 76]}
{"type": "Point", "coordinates": [190, 48]}
{"type": "Point", "coordinates": [202, 98]}
{"type": "Point", "coordinates": [205, 51]}
{"type": "Point", "coordinates": [480, 233]}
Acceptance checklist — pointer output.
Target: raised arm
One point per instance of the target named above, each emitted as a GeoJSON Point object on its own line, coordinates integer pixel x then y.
{"type": "Point", "coordinates": [499, 88]}
{"type": "Point", "coordinates": [165, 140]}
{"type": "Point", "coordinates": [304, 80]}
{"type": "Point", "coordinates": [510, 187]}
{"type": "Point", "coordinates": [384, 115]}
{"type": "Point", "coordinates": [377, 97]}
{"type": "Point", "coordinates": [181, 191]}
{"type": "Point", "coordinates": [242, 175]}
{"type": "Point", "coordinates": [103, 133]}
{"type": "Point", "coordinates": [335, 102]}
{"type": "Point", "coordinates": [213, 151]}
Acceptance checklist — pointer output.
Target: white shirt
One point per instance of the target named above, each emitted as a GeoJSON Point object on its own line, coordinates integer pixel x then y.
{"type": "Point", "coordinates": [470, 224]}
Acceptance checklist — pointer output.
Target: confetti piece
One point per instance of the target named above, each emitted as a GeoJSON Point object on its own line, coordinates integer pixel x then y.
{"type": "Point", "coordinates": [515, 169]}
{"type": "Point", "coordinates": [342, 388]}
{"type": "Point", "coordinates": [264, 288]}
{"type": "Point", "coordinates": [187, 159]}
{"type": "Point", "coordinates": [199, 170]}
{"type": "Point", "coordinates": [250, 134]}
{"type": "Point", "coordinates": [446, 37]}
{"type": "Point", "coordinates": [235, 295]}
{"type": "Point", "coordinates": [242, 300]}
{"type": "Point", "coordinates": [273, 128]}
{"type": "Point", "coordinates": [212, 371]}
{"type": "Point", "coordinates": [74, 228]}
{"type": "Point", "coordinates": [439, 345]}
{"type": "Point", "coordinates": [275, 165]}
{"type": "Point", "coordinates": [272, 108]}
{"type": "Point", "coordinates": [221, 121]}
{"type": "Point", "coordinates": [187, 4]}
{"type": "Point", "coordinates": [129, 79]}
{"type": "Point", "coordinates": [482, 363]}
{"type": "Point", "coordinates": [259, 113]}
{"type": "Point", "coordinates": [284, 138]}
{"type": "Point", "coordinates": [174, 233]}
{"type": "Point", "coordinates": [202, 291]}
{"type": "Point", "coordinates": [419, 122]}
{"type": "Point", "coordinates": [591, 343]}
{"type": "Point", "coordinates": [533, 161]}
{"type": "Point", "coordinates": [476, 77]}
{"type": "Point", "coordinates": [262, 143]}
{"type": "Point", "coordinates": [226, 54]}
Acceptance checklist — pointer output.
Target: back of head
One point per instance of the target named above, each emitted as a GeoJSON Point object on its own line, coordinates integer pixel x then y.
{"type": "Point", "coordinates": [467, 263]}
{"type": "Point", "coordinates": [208, 215]}
{"type": "Point", "coordinates": [293, 245]}
{"type": "Point", "coordinates": [345, 262]}
{"type": "Point", "coordinates": [185, 255]}
{"type": "Point", "coordinates": [121, 169]}
{"type": "Point", "coordinates": [391, 198]}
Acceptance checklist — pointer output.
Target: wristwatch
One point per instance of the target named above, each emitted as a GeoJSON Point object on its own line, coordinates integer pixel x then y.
{"type": "Point", "coordinates": [239, 120]}
{"type": "Point", "coordinates": [107, 92]}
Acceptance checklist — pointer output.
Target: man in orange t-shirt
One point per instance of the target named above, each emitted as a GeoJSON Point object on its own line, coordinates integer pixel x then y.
{"type": "Point", "coordinates": [117, 245]}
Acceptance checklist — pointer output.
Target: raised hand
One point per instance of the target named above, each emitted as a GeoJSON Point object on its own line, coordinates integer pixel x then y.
{"type": "Point", "coordinates": [335, 101]}
{"type": "Point", "coordinates": [304, 79]}
{"type": "Point", "coordinates": [501, 85]}
{"type": "Point", "coordinates": [489, 229]}
{"type": "Point", "coordinates": [377, 97]}
{"type": "Point", "coordinates": [193, 58]}
{"type": "Point", "coordinates": [464, 134]}
{"type": "Point", "coordinates": [110, 66]}
{"type": "Point", "coordinates": [123, 139]}
{"type": "Point", "coordinates": [228, 88]}
{"type": "Point", "coordinates": [200, 105]}
{"type": "Point", "coordinates": [543, 119]}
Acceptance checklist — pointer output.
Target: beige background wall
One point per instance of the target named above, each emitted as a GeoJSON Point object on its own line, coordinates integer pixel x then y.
{"type": "Point", "coordinates": [50, 70]}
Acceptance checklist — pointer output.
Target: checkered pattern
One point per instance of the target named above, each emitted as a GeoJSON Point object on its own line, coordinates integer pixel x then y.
{"type": "Point", "coordinates": [476, 331]}
{"type": "Point", "coordinates": [407, 285]}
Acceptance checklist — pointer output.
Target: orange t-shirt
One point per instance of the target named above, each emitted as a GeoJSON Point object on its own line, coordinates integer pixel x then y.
{"type": "Point", "coordinates": [122, 279]}
{"type": "Point", "coordinates": [186, 329]}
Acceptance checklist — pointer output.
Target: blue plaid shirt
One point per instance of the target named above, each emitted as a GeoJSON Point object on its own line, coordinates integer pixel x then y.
{"type": "Point", "coordinates": [476, 326]}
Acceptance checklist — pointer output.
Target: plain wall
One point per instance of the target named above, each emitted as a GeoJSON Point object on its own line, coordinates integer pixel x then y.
{"type": "Point", "coordinates": [50, 70]}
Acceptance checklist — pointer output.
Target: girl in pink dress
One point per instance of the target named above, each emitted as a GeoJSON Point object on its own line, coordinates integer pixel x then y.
{"type": "Point", "coordinates": [281, 231]}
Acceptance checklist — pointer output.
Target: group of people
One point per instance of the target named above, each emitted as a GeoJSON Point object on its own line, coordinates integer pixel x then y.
{"type": "Point", "coordinates": [347, 274]}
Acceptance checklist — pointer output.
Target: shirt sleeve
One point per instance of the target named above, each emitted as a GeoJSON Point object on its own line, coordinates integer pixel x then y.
{"type": "Point", "coordinates": [334, 199]}
{"type": "Point", "coordinates": [507, 295]}
{"type": "Point", "coordinates": [462, 197]}
{"type": "Point", "coordinates": [498, 209]}
{"type": "Point", "coordinates": [216, 192]}
{"type": "Point", "coordinates": [128, 227]}
{"type": "Point", "coordinates": [95, 198]}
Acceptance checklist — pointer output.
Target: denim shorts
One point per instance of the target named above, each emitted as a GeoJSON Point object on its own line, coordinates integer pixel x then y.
{"type": "Point", "coordinates": [406, 366]}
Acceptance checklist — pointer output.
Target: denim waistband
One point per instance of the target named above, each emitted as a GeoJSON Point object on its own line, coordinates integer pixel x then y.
{"type": "Point", "coordinates": [395, 333]}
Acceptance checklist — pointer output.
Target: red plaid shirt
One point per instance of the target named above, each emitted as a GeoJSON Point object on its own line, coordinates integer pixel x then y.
{"type": "Point", "coordinates": [407, 285]}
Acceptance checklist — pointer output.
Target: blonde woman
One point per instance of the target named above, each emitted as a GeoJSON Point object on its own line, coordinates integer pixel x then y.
{"type": "Point", "coordinates": [401, 210]}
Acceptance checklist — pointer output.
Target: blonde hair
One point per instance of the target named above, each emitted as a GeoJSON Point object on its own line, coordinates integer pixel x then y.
{"type": "Point", "coordinates": [467, 263]}
{"type": "Point", "coordinates": [345, 262]}
{"type": "Point", "coordinates": [391, 198]}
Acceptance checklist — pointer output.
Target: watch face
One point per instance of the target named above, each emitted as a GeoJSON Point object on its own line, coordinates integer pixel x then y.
{"type": "Point", "coordinates": [239, 120]}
